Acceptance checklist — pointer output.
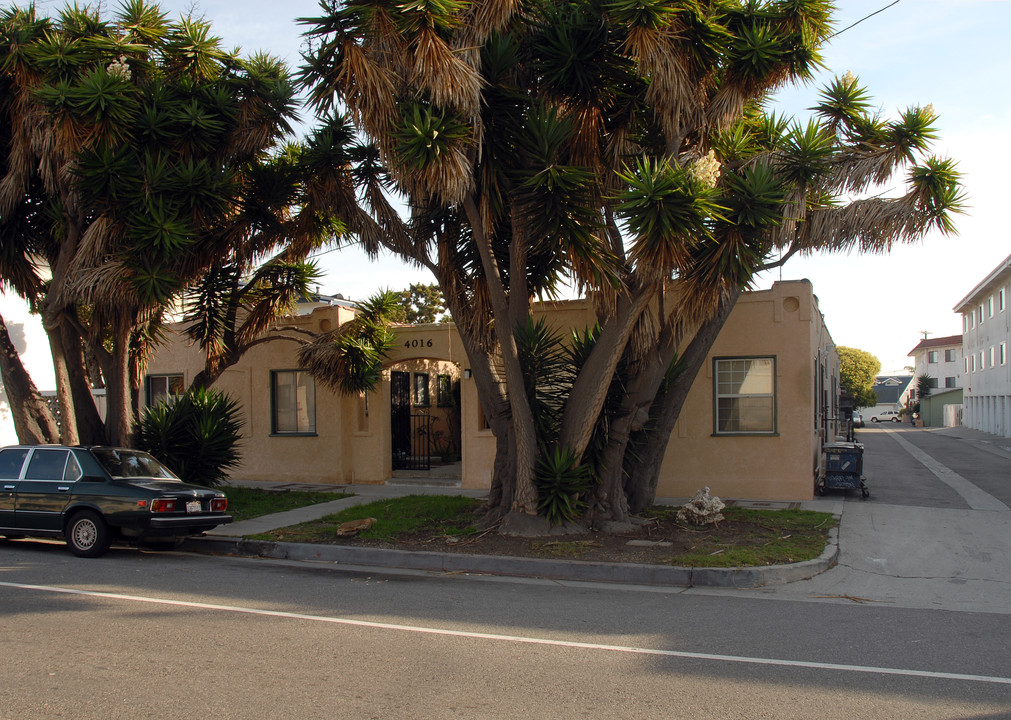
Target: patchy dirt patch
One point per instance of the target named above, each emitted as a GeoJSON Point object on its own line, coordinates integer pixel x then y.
{"type": "Point", "coordinates": [746, 537]}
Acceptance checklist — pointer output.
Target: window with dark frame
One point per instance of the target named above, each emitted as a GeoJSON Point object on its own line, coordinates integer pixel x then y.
{"type": "Point", "coordinates": [745, 395]}
{"type": "Point", "coordinates": [421, 390]}
{"type": "Point", "coordinates": [950, 382]}
{"type": "Point", "coordinates": [444, 390]}
{"type": "Point", "coordinates": [293, 400]}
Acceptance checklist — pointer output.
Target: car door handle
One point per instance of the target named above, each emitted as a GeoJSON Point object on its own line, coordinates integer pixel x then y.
{"type": "Point", "coordinates": [63, 488]}
{"type": "Point", "coordinates": [10, 487]}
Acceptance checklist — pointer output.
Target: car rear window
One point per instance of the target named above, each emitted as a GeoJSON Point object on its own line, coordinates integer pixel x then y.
{"type": "Point", "coordinates": [131, 463]}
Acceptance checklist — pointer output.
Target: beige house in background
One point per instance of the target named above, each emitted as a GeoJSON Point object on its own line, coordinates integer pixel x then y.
{"type": "Point", "coordinates": [752, 426]}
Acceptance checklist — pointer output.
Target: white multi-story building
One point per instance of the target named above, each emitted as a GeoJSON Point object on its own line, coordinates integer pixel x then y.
{"type": "Point", "coordinates": [986, 332]}
{"type": "Point", "coordinates": [940, 359]}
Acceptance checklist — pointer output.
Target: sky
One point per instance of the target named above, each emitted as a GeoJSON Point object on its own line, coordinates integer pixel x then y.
{"type": "Point", "coordinates": [950, 53]}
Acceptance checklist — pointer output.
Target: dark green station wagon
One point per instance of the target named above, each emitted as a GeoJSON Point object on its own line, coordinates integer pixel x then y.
{"type": "Point", "coordinates": [92, 496]}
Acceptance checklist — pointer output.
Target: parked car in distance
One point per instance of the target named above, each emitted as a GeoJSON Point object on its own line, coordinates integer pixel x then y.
{"type": "Point", "coordinates": [858, 419]}
{"type": "Point", "coordinates": [885, 416]}
{"type": "Point", "coordinates": [92, 496]}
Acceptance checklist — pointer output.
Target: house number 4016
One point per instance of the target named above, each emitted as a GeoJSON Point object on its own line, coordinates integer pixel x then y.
{"type": "Point", "coordinates": [418, 343]}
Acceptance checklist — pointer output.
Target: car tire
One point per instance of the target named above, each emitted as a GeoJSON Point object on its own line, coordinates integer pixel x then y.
{"type": "Point", "coordinates": [88, 535]}
{"type": "Point", "coordinates": [895, 420]}
{"type": "Point", "coordinates": [874, 420]}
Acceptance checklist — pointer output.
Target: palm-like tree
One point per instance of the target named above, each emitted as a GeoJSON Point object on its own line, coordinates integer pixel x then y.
{"type": "Point", "coordinates": [620, 146]}
{"type": "Point", "coordinates": [155, 156]}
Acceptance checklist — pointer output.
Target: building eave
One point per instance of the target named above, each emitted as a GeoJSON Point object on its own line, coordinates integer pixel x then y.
{"type": "Point", "coordinates": [972, 297]}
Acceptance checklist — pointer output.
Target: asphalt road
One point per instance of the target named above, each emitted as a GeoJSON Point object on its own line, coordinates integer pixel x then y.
{"type": "Point", "coordinates": [146, 635]}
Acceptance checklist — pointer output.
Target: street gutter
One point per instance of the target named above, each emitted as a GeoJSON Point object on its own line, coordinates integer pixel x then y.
{"type": "Point", "coordinates": [574, 570]}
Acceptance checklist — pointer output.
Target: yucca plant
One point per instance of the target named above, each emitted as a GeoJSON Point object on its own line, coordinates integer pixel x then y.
{"type": "Point", "coordinates": [196, 434]}
{"type": "Point", "coordinates": [562, 485]}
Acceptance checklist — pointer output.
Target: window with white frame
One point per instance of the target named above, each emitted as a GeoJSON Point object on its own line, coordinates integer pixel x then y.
{"type": "Point", "coordinates": [164, 387]}
{"type": "Point", "coordinates": [293, 399]}
{"type": "Point", "coordinates": [979, 311]}
{"type": "Point", "coordinates": [932, 357]}
{"type": "Point", "coordinates": [993, 355]}
{"type": "Point", "coordinates": [972, 364]}
{"type": "Point", "coordinates": [1000, 300]}
{"type": "Point", "coordinates": [972, 320]}
{"type": "Point", "coordinates": [966, 361]}
{"type": "Point", "coordinates": [949, 356]}
{"type": "Point", "coordinates": [982, 360]}
{"type": "Point", "coordinates": [965, 323]}
{"type": "Point", "coordinates": [745, 395]}
{"type": "Point", "coordinates": [989, 306]}
{"type": "Point", "coordinates": [1003, 353]}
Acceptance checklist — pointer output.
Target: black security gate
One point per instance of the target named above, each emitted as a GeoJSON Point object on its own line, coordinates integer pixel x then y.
{"type": "Point", "coordinates": [411, 434]}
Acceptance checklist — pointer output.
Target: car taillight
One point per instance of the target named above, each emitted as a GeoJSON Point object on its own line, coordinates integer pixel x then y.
{"type": "Point", "coordinates": [161, 505]}
{"type": "Point", "coordinates": [219, 504]}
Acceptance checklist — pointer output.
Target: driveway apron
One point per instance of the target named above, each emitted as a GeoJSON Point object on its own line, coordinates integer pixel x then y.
{"type": "Point", "coordinates": [928, 536]}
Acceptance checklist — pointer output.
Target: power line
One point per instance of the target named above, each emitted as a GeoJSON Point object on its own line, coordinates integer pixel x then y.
{"type": "Point", "coordinates": [864, 18]}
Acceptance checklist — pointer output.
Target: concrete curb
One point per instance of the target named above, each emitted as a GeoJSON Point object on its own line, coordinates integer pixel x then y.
{"type": "Point", "coordinates": [573, 570]}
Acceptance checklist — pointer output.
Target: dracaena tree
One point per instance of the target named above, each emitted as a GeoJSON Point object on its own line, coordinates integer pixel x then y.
{"type": "Point", "coordinates": [624, 148]}
{"type": "Point", "coordinates": [141, 159]}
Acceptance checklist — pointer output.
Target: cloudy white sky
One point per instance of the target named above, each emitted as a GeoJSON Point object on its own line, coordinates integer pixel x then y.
{"type": "Point", "coordinates": [951, 53]}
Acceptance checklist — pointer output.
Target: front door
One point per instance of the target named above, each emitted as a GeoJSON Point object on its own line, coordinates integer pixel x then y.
{"type": "Point", "coordinates": [11, 461]}
{"type": "Point", "coordinates": [400, 417]}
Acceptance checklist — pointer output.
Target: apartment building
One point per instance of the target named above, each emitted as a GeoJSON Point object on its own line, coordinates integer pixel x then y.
{"type": "Point", "coordinates": [986, 332]}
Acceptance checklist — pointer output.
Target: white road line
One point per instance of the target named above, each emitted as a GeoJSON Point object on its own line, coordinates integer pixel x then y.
{"type": "Point", "coordinates": [977, 498]}
{"type": "Point", "coordinates": [835, 667]}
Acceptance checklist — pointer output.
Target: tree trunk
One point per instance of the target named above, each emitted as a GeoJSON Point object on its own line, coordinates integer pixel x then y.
{"type": "Point", "coordinates": [90, 427]}
{"type": "Point", "coordinates": [644, 468]}
{"type": "Point", "coordinates": [119, 416]}
{"type": "Point", "coordinates": [589, 392]}
{"type": "Point", "coordinates": [61, 372]}
{"type": "Point", "coordinates": [524, 440]}
{"type": "Point", "coordinates": [33, 419]}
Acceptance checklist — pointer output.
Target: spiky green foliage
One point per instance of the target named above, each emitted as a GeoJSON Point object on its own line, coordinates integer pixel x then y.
{"type": "Point", "coordinates": [197, 435]}
{"type": "Point", "coordinates": [139, 155]}
{"type": "Point", "coordinates": [350, 359]}
{"type": "Point", "coordinates": [621, 147]}
{"type": "Point", "coordinates": [562, 484]}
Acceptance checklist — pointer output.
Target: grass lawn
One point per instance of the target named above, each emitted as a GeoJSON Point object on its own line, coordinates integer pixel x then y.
{"type": "Point", "coordinates": [245, 502]}
{"type": "Point", "coordinates": [746, 537]}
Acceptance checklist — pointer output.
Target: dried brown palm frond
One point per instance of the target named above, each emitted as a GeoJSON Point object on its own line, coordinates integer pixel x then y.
{"type": "Point", "coordinates": [97, 242]}
{"type": "Point", "coordinates": [491, 16]}
{"type": "Point", "coordinates": [856, 171]}
{"type": "Point", "coordinates": [106, 287]}
{"type": "Point", "coordinates": [449, 178]}
{"type": "Point", "coordinates": [871, 225]}
{"type": "Point", "coordinates": [643, 339]}
{"type": "Point", "coordinates": [450, 82]}
{"type": "Point", "coordinates": [368, 89]}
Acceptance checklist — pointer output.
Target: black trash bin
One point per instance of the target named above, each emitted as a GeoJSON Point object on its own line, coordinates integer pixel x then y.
{"type": "Point", "coordinates": [843, 468]}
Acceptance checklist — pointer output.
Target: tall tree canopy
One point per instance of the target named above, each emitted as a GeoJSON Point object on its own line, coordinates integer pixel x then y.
{"type": "Point", "coordinates": [857, 370]}
{"type": "Point", "coordinates": [139, 158]}
{"type": "Point", "coordinates": [622, 147]}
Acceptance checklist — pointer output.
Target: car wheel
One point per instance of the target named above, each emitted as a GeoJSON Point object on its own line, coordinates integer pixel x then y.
{"type": "Point", "coordinates": [88, 535]}
{"type": "Point", "coordinates": [895, 419]}
{"type": "Point", "coordinates": [874, 420]}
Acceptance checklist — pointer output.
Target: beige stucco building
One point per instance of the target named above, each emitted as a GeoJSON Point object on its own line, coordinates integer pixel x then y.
{"type": "Point", "coordinates": [752, 426]}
